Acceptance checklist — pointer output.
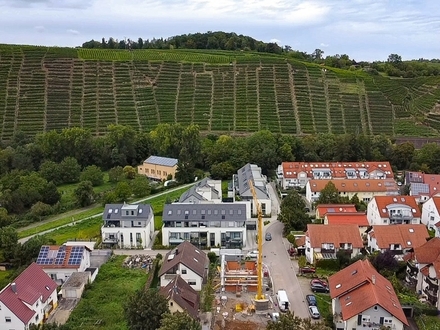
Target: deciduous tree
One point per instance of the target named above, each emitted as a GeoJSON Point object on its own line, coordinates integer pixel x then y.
{"type": "Point", "coordinates": [140, 186]}
{"type": "Point", "coordinates": [84, 193]}
{"type": "Point", "coordinates": [70, 170]}
{"type": "Point", "coordinates": [293, 212]}
{"type": "Point", "coordinates": [329, 195]}
{"type": "Point", "coordinates": [93, 174]}
{"type": "Point", "coordinates": [145, 309]}
{"type": "Point", "coordinates": [179, 321]}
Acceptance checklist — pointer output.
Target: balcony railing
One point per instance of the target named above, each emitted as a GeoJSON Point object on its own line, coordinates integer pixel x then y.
{"type": "Point", "coordinates": [433, 284]}
{"type": "Point", "coordinates": [431, 293]}
{"type": "Point", "coordinates": [110, 240]}
{"type": "Point", "coordinates": [169, 276]}
{"type": "Point", "coordinates": [328, 250]}
{"type": "Point", "coordinates": [412, 272]}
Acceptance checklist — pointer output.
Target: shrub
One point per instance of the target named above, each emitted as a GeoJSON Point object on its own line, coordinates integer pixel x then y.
{"type": "Point", "coordinates": [328, 264]}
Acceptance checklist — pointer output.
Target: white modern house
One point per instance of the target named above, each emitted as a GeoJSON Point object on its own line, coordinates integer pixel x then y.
{"type": "Point", "coordinates": [204, 191]}
{"type": "Point", "coordinates": [29, 299]}
{"type": "Point", "coordinates": [324, 241]}
{"type": "Point", "coordinates": [391, 210]}
{"type": "Point", "coordinates": [251, 172]}
{"type": "Point", "coordinates": [431, 213]}
{"type": "Point", "coordinates": [423, 270]}
{"type": "Point", "coordinates": [59, 262]}
{"type": "Point", "coordinates": [297, 174]}
{"type": "Point", "coordinates": [364, 299]}
{"type": "Point", "coordinates": [205, 225]}
{"type": "Point", "coordinates": [127, 225]}
{"type": "Point", "coordinates": [400, 239]}
{"type": "Point", "coordinates": [186, 261]}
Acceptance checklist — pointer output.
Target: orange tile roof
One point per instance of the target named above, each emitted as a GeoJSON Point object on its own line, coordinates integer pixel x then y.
{"type": "Point", "coordinates": [322, 209]}
{"type": "Point", "coordinates": [360, 287]}
{"type": "Point", "coordinates": [436, 200]}
{"type": "Point", "coordinates": [384, 201]}
{"type": "Point", "coordinates": [428, 252]}
{"type": "Point", "coordinates": [355, 185]}
{"type": "Point", "coordinates": [356, 218]}
{"type": "Point", "coordinates": [301, 241]}
{"type": "Point", "coordinates": [334, 234]}
{"type": "Point", "coordinates": [434, 183]}
{"type": "Point", "coordinates": [337, 168]}
{"type": "Point", "coordinates": [408, 236]}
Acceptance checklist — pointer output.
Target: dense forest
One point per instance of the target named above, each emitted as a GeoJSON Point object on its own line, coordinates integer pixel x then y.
{"type": "Point", "coordinates": [394, 66]}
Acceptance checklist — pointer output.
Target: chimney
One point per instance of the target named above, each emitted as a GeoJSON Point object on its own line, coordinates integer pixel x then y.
{"type": "Point", "coordinates": [14, 287]}
{"type": "Point", "coordinates": [177, 252]}
{"type": "Point", "coordinates": [373, 279]}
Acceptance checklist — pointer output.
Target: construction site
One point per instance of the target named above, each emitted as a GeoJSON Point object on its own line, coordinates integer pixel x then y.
{"type": "Point", "coordinates": [239, 304]}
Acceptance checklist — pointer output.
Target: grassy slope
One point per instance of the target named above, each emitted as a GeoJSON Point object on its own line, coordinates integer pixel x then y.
{"type": "Point", "coordinates": [223, 91]}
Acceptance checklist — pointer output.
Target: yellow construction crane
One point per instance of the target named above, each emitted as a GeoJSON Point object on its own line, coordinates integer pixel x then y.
{"type": "Point", "coordinates": [260, 295]}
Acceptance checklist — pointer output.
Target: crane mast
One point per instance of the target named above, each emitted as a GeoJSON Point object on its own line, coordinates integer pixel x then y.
{"type": "Point", "coordinates": [259, 295]}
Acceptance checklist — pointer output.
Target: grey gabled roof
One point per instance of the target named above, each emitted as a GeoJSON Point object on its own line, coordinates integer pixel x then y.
{"type": "Point", "coordinates": [192, 192]}
{"type": "Point", "coordinates": [244, 175]}
{"type": "Point", "coordinates": [144, 211]}
{"type": "Point", "coordinates": [204, 212]}
{"type": "Point", "coordinates": [164, 161]}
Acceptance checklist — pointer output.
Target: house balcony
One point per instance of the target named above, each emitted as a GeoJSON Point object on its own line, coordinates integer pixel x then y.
{"type": "Point", "coordinates": [432, 295]}
{"type": "Point", "coordinates": [432, 284]}
{"type": "Point", "coordinates": [411, 272]}
{"type": "Point", "coordinates": [112, 224]}
{"type": "Point", "coordinates": [400, 218]}
{"type": "Point", "coordinates": [111, 239]}
{"type": "Point", "coordinates": [169, 276]}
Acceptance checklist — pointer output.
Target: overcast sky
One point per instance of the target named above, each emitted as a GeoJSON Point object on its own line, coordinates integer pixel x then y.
{"type": "Point", "coordinates": [364, 29]}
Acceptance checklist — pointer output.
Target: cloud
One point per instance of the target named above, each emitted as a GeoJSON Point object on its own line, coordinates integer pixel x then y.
{"type": "Point", "coordinates": [275, 41]}
{"type": "Point", "coordinates": [323, 44]}
{"type": "Point", "coordinates": [71, 31]}
{"type": "Point", "coordinates": [39, 28]}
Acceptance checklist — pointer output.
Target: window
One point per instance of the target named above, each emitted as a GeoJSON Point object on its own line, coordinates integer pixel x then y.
{"type": "Point", "coordinates": [165, 173]}
{"type": "Point", "coordinates": [191, 282]}
{"type": "Point", "coordinates": [158, 172]}
{"type": "Point", "coordinates": [183, 271]}
{"type": "Point", "coordinates": [171, 303]}
{"type": "Point", "coordinates": [152, 171]}
{"type": "Point", "coordinates": [231, 224]}
{"type": "Point", "coordinates": [8, 319]}
{"type": "Point", "coordinates": [146, 170]}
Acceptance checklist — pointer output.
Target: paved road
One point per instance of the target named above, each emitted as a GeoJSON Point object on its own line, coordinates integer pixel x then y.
{"type": "Point", "coordinates": [283, 270]}
{"type": "Point", "coordinates": [25, 239]}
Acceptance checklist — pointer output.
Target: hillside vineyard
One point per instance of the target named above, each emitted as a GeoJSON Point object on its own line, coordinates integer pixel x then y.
{"type": "Point", "coordinates": [43, 89]}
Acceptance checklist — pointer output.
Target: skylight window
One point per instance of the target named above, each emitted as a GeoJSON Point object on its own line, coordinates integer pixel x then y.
{"type": "Point", "coordinates": [411, 230]}
{"type": "Point", "coordinates": [338, 286]}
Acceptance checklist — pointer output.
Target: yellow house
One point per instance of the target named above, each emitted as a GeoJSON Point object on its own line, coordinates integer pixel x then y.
{"type": "Point", "coordinates": [181, 297]}
{"type": "Point", "coordinates": [158, 168]}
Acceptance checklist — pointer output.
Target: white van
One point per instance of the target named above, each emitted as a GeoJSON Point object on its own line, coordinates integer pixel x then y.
{"type": "Point", "coordinates": [283, 301]}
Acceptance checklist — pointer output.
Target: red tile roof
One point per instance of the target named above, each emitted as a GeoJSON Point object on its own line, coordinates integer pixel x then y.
{"type": "Point", "coordinates": [323, 209]}
{"type": "Point", "coordinates": [337, 168]}
{"type": "Point", "coordinates": [428, 252]}
{"type": "Point", "coordinates": [183, 294]}
{"type": "Point", "coordinates": [30, 285]}
{"type": "Point", "coordinates": [334, 234]}
{"type": "Point", "coordinates": [436, 200]}
{"type": "Point", "coordinates": [408, 236]}
{"type": "Point", "coordinates": [356, 218]}
{"type": "Point", "coordinates": [359, 287]}
{"type": "Point", "coordinates": [434, 183]}
{"type": "Point", "coordinates": [384, 201]}
{"type": "Point", "coordinates": [355, 185]}
{"type": "Point", "coordinates": [188, 255]}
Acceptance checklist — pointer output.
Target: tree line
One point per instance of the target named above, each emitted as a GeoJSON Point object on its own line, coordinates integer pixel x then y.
{"type": "Point", "coordinates": [218, 40]}
{"type": "Point", "coordinates": [33, 168]}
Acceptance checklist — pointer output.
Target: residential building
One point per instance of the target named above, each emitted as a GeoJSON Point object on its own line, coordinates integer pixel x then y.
{"type": "Point", "coordinates": [364, 299]}
{"type": "Point", "coordinates": [437, 229]}
{"type": "Point", "coordinates": [365, 189]}
{"type": "Point", "coordinates": [392, 210]}
{"type": "Point", "coordinates": [181, 297]}
{"type": "Point", "coordinates": [355, 218]}
{"type": "Point", "coordinates": [59, 262]}
{"type": "Point", "coordinates": [323, 209]}
{"type": "Point", "coordinates": [431, 212]}
{"type": "Point", "coordinates": [29, 299]}
{"type": "Point", "coordinates": [205, 225]}
{"type": "Point", "coordinates": [204, 191]}
{"type": "Point", "coordinates": [75, 285]}
{"type": "Point", "coordinates": [399, 240]}
{"type": "Point", "coordinates": [159, 168]}
{"type": "Point", "coordinates": [423, 270]}
{"type": "Point", "coordinates": [186, 261]}
{"type": "Point", "coordinates": [127, 225]}
{"type": "Point", "coordinates": [297, 174]}
{"type": "Point", "coordinates": [324, 241]}
{"type": "Point", "coordinates": [422, 186]}
{"type": "Point", "coordinates": [251, 172]}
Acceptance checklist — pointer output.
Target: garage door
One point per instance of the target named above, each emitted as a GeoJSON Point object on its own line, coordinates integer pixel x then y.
{"type": "Point", "coordinates": [70, 294]}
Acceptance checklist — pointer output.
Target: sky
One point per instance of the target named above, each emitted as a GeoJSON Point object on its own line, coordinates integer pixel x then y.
{"type": "Point", "coordinates": [366, 30]}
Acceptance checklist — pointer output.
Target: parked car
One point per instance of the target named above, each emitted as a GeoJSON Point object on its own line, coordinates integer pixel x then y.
{"type": "Point", "coordinates": [307, 270]}
{"type": "Point", "coordinates": [318, 281]}
{"type": "Point", "coordinates": [268, 237]}
{"type": "Point", "coordinates": [318, 287]}
{"type": "Point", "coordinates": [314, 312]}
{"type": "Point", "coordinates": [311, 300]}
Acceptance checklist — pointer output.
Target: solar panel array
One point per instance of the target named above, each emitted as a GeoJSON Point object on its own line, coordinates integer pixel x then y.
{"type": "Point", "coordinates": [76, 255]}
{"type": "Point", "coordinates": [43, 256]}
{"type": "Point", "coordinates": [61, 255]}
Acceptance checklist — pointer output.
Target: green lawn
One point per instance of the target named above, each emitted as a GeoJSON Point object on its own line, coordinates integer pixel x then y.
{"type": "Point", "coordinates": [324, 305]}
{"type": "Point", "coordinates": [103, 301]}
{"type": "Point", "coordinates": [4, 278]}
{"type": "Point", "coordinates": [428, 322]}
{"type": "Point", "coordinates": [91, 228]}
